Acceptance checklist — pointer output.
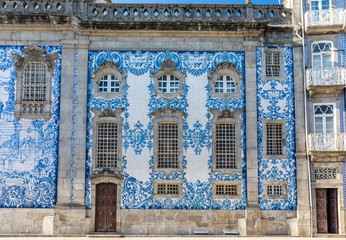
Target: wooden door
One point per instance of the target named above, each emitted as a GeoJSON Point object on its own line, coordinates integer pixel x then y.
{"type": "Point", "coordinates": [321, 210]}
{"type": "Point", "coordinates": [106, 207]}
{"type": "Point", "coordinates": [332, 200]}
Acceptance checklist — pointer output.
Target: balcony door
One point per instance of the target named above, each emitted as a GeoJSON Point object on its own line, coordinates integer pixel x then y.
{"type": "Point", "coordinates": [327, 210]}
{"type": "Point", "coordinates": [322, 55]}
{"type": "Point", "coordinates": [319, 4]}
{"type": "Point", "coordinates": [324, 118]}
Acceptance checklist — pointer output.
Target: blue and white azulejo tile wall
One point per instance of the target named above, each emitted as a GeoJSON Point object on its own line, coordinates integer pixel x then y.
{"type": "Point", "coordinates": [139, 101]}
{"type": "Point", "coordinates": [28, 148]}
{"type": "Point", "coordinates": [275, 101]}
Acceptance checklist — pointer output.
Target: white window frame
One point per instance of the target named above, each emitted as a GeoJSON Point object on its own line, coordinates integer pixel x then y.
{"type": "Point", "coordinates": [324, 116]}
{"type": "Point", "coordinates": [319, 5]}
{"type": "Point", "coordinates": [108, 68]}
{"type": "Point", "coordinates": [322, 54]}
{"type": "Point", "coordinates": [168, 68]}
{"type": "Point", "coordinates": [107, 78]}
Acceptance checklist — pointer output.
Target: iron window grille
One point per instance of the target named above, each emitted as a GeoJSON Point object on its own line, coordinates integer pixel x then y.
{"type": "Point", "coordinates": [274, 190]}
{"type": "Point", "coordinates": [226, 157]}
{"type": "Point", "coordinates": [107, 145]}
{"type": "Point", "coordinates": [167, 189]}
{"type": "Point", "coordinates": [226, 189]}
{"type": "Point", "coordinates": [274, 139]}
{"type": "Point", "coordinates": [272, 64]}
{"type": "Point", "coordinates": [168, 150]}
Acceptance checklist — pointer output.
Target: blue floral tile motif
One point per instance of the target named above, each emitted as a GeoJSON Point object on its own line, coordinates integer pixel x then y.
{"type": "Point", "coordinates": [28, 148]}
{"type": "Point", "coordinates": [138, 194]}
{"type": "Point", "coordinates": [275, 100]}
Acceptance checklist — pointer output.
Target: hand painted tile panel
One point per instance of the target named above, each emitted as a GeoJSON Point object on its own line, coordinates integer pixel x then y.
{"type": "Point", "coordinates": [28, 148]}
{"type": "Point", "coordinates": [138, 127]}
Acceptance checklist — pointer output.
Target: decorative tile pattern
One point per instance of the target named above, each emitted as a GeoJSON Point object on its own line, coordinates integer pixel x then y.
{"type": "Point", "coordinates": [137, 194]}
{"type": "Point", "coordinates": [28, 148]}
{"type": "Point", "coordinates": [275, 100]}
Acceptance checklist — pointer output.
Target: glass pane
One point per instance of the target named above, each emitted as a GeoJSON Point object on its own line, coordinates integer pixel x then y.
{"type": "Point", "coordinates": [325, 4]}
{"type": "Point", "coordinates": [314, 5]}
{"type": "Point", "coordinates": [329, 125]}
{"type": "Point", "coordinates": [318, 125]}
{"type": "Point", "coordinates": [316, 61]}
{"type": "Point", "coordinates": [327, 61]}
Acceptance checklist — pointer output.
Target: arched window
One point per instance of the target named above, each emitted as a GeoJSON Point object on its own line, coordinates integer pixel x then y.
{"type": "Point", "coordinates": [109, 84]}
{"type": "Point", "coordinates": [108, 81]}
{"type": "Point", "coordinates": [322, 55]}
{"type": "Point", "coordinates": [225, 81]}
{"type": "Point", "coordinates": [168, 80]}
{"type": "Point", "coordinates": [34, 75]}
{"type": "Point", "coordinates": [34, 82]}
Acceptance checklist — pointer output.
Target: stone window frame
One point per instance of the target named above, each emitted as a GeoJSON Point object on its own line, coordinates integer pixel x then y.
{"type": "Point", "coordinates": [170, 116]}
{"type": "Point", "coordinates": [238, 184]}
{"type": "Point", "coordinates": [264, 138]}
{"type": "Point", "coordinates": [108, 68]}
{"type": "Point", "coordinates": [107, 115]}
{"type": "Point", "coordinates": [168, 67]}
{"type": "Point", "coordinates": [179, 182]}
{"type": "Point", "coordinates": [283, 184]}
{"type": "Point", "coordinates": [33, 109]}
{"type": "Point", "coordinates": [228, 69]}
{"type": "Point", "coordinates": [281, 76]}
{"type": "Point", "coordinates": [227, 116]}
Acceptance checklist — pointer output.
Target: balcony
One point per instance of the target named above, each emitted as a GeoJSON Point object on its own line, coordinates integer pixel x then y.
{"type": "Point", "coordinates": [327, 142]}
{"type": "Point", "coordinates": [322, 21]}
{"type": "Point", "coordinates": [326, 80]}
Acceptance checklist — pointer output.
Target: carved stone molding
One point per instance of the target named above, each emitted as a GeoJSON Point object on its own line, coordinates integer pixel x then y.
{"type": "Point", "coordinates": [106, 173]}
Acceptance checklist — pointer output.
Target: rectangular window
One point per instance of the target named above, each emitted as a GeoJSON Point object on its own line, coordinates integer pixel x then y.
{"type": "Point", "coordinates": [168, 153]}
{"type": "Point", "coordinates": [107, 145]}
{"type": "Point", "coordinates": [274, 190]}
{"type": "Point", "coordinates": [226, 189]}
{"type": "Point", "coordinates": [225, 146]}
{"type": "Point", "coordinates": [35, 82]}
{"type": "Point", "coordinates": [167, 189]}
{"type": "Point", "coordinates": [272, 64]}
{"type": "Point", "coordinates": [274, 139]}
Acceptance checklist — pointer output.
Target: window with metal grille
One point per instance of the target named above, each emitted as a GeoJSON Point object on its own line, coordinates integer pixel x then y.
{"type": "Point", "coordinates": [226, 189]}
{"type": "Point", "coordinates": [274, 138]}
{"type": "Point", "coordinates": [225, 149]}
{"type": "Point", "coordinates": [167, 189]}
{"type": "Point", "coordinates": [272, 63]}
{"type": "Point", "coordinates": [274, 190]}
{"type": "Point", "coordinates": [225, 84]}
{"type": "Point", "coordinates": [34, 81]}
{"type": "Point", "coordinates": [325, 173]}
{"type": "Point", "coordinates": [168, 83]}
{"type": "Point", "coordinates": [107, 145]}
{"type": "Point", "coordinates": [167, 156]}
{"type": "Point", "coordinates": [109, 84]}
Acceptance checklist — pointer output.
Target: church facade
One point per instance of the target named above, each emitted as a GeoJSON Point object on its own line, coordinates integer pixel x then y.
{"type": "Point", "coordinates": [158, 119]}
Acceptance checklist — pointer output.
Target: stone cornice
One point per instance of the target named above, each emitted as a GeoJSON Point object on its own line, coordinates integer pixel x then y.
{"type": "Point", "coordinates": [87, 15]}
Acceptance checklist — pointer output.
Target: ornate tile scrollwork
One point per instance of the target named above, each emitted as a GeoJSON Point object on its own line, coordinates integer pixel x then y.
{"type": "Point", "coordinates": [28, 148]}
{"type": "Point", "coordinates": [325, 173]}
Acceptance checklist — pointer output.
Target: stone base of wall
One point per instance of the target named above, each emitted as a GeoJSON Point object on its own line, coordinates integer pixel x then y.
{"type": "Point", "coordinates": [75, 221]}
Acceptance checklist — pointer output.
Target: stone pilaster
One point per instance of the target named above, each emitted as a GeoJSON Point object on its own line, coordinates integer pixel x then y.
{"type": "Point", "coordinates": [66, 126]}
{"type": "Point", "coordinates": [252, 212]}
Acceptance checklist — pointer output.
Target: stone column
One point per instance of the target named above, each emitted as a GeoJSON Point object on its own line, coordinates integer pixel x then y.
{"type": "Point", "coordinates": [81, 123]}
{"type": "Point", "coordinates": [66, 126]}
{"type": "Point", "coordinates": [252, 212]}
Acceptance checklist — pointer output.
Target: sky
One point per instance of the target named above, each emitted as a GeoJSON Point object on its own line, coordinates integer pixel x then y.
{"type": "Point", "coordinates": [199, 1]}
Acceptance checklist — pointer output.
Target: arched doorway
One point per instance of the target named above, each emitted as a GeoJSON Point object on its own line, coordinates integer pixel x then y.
{"type": "Point", "coordinates": [106, 207]}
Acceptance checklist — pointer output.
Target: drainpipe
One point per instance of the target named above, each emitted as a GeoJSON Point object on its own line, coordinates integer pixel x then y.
{"type": "Point", "coordinates": [306, 114]}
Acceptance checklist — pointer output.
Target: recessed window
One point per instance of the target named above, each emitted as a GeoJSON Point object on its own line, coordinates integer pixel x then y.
{"type": "Point", "coordinates": [274, 139]}
{"type": "Point", "coordinates": [225, 84]}
{"type": "Point", "coordinates": [168, 80]}
{"type": "Point", "coordinates": [167, 145]}
{"type": "Point", "coordinates": [274, 190]}
{"type": "Point", "coordinates": [109, 84]}
{"type": "Point", "coordinates": [322, 55]}
{"type": "Point", "coordinates": [272, 64]}
{"type": "Point", "coordinates": [226, 189]}
{"type": "Point", "coordinates": [324, 118]}
{"type": "Point", "coordinates": [107, 145]}
{"type": "Point", "coordinates": [167, 189]}
{"type": "Point", "coordinates": [319, 4]}
{"type": "Point", "coordinates": [34, 73]}
{"type": "Point", "coordinates": [35, 81]}
{"type": "Point", "coordinates": [225, 146]}
{"type": "Point", "coordinates": [168, 83]}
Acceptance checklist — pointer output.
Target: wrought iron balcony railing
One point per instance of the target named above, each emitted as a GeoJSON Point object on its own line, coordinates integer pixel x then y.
{"type": "Point", "coordinates": [317, 77]}
{"type": "Point", "coordinates": [326, 17]}
{"type": "Point", "coordinates": [327, 142]}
